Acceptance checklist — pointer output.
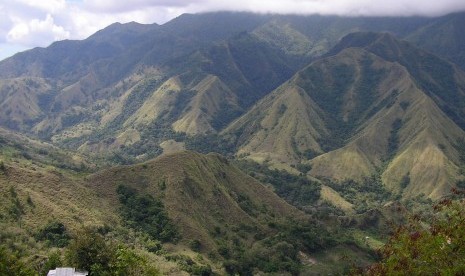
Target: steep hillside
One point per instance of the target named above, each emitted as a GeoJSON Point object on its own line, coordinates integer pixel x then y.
{"type": "Point", "coordinates": [22, 101]}
{"type": "Point", "coordinates": [208, 89]}
{"type": "Point", "coordinates": [328, 131]}
{"type": "Point", "coordinates": [16, 146]}
{"type": "Point", "coordinates": [340, 93]}
{"type": "Point", "coordinates": [201, 115]}
{"type": "Point", "coordinates": [281, 34]}
{"type": "Point", "coordinates": [227, 215]}
{"type": "Point", "coordinates": [373, 109]}
{"type": "Point", "coordinates": [282, 127]}
{"type": "Point", "coordinates": [192, 185]}
{"type": "Point", "coordinates": [196, 212]}
{"type": "Point", "coordinates": [441, 80]}
{"type": "Point", "coordinates": [45, 208]}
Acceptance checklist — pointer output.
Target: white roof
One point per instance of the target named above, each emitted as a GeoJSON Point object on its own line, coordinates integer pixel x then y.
{"type": "Point", "coordinates": [66, 271]}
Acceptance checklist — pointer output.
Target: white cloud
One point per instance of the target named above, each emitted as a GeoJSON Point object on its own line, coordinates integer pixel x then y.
{"type": "Point", "coordinates": [36, 32]}
{"type": "Point", "coordinates": [339, 7]}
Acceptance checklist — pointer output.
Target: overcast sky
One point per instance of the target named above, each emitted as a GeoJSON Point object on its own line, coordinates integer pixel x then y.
{"type": "Point", "coordinates": [25, 24]}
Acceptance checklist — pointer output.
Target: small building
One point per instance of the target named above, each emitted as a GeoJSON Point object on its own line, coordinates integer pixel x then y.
{"type": "Point", "coordinates": [66, 271]}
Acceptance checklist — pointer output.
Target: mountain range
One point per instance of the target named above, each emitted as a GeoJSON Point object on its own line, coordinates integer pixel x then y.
{"type": "Point", "coordinates": [346, 116]}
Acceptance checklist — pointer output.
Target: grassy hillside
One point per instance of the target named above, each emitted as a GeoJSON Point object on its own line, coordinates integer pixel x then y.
{"type": "Point", "coordinates": [209, 215]}
{"type": "Point", "coordinates": [357, 113]}
{"type": "Point", "coordinates": [439, 79]}
{"type": "Point", "coordinates": [280, 128]}
{"type": "Point", "coordinates": [212, 204]}
{"type": "Point", "coordinates": [223, 213]}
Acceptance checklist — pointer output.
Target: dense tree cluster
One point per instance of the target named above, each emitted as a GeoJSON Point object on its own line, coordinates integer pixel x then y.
{"type": "Point", "coordinates": [297, 190]}
{"type": "Point", "coordinates": [146, 214]}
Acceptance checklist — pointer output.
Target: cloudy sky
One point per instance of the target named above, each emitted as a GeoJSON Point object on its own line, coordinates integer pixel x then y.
{"type": "Point", "coordinates": [25, 24]}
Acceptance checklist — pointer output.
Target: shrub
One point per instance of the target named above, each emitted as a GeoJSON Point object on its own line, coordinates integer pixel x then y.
{"type": "Point", "coordinates": [435, 250]}
{"type": "Point", "coordinates": [195, 245]}
{"type": "Point", "coordinates": [55, 233]}
{"type": "Point", "coordinates": [53, 261]}
{"type": "Point", "coordinates": [89, 251]}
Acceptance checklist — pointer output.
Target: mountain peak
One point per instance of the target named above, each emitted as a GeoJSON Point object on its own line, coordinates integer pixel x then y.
{"type": "Point", "coordinates": [367, 40]}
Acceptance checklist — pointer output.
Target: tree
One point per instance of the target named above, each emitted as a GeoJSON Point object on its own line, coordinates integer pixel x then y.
{"type": "Point", "coordinates": [53, 261]}
{"type": "Point", "coordinates": [146, 213]}
{"type": "Point", "coordinates": [55, 233]}
{"type": "Point", "coordinates": [89, 251]}
{"type": "Point", "coordinates": [128, 263]}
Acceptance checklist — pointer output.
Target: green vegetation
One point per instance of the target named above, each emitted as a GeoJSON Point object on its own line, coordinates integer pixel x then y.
{"type": "Point", "coordinates": [224, 116]}
{"type": "Point", "coordinates": [460, 146]}
{"type": "Point", "coordinates": [16, 209]}
{"type": "Point", "coordinates": [159, 131]}
{"type": "Point", "coordinates": [277, 253]}
{"type": "Point", "coordinates": [10, 264]}
{"type": "Point", "coordinates": [195, 245]}
{"type": "Point", "coordinates": [210, 143]}
{"type": "Point", "coordinates": [53, 261]}
{"type": "Point", "coordinates": [135, 100]}
{"type": "Point", "coordinates": [54, 233]}
{"type": "Point", "coordinates": [309, 154]}
{"type": "Point", "coordinates": [416, 249]}
{"type": "Point", "coordinates": [297, 190]}
{"type": "Point", "coordinates": [90, 251]}
{"type": "Point", "coordinates": [405, 181]}
{"type": "Point", "coordinates": [72, 119]}
{"type": "Point", "coordinates": [393, 140]}
{"type": "Point", "coordinates": [365, 195]}
{"type": "Point", "coordinates": [187, 264]}
{"type": "Point", "coordinates": [367, 89]}
{"type": "Point", "coordinates": [329, 93]}
{"type": "Point", "coordinates": [303, 168]}
{"type": "Point", "coordinates": [146, 214]}
{"type": "Point", "coordinates": [2, 167]}
{"type": "Point", "coordinates": [223, 214]}
{"type": "Point", "coordinates": [461, 184]}
{"type": "Point", "coordinates": [14, 147]}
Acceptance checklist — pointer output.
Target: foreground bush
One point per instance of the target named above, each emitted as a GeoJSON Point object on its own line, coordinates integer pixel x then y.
{"type": "Point", "coordinates": [434, 249]}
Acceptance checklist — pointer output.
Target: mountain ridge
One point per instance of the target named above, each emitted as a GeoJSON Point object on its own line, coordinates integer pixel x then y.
{"type": "Point", "coordinates": [359, 120]}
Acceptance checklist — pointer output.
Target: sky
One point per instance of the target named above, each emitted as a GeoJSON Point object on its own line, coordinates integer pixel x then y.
{"type": "Point", "coordinates": [25, 24]}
